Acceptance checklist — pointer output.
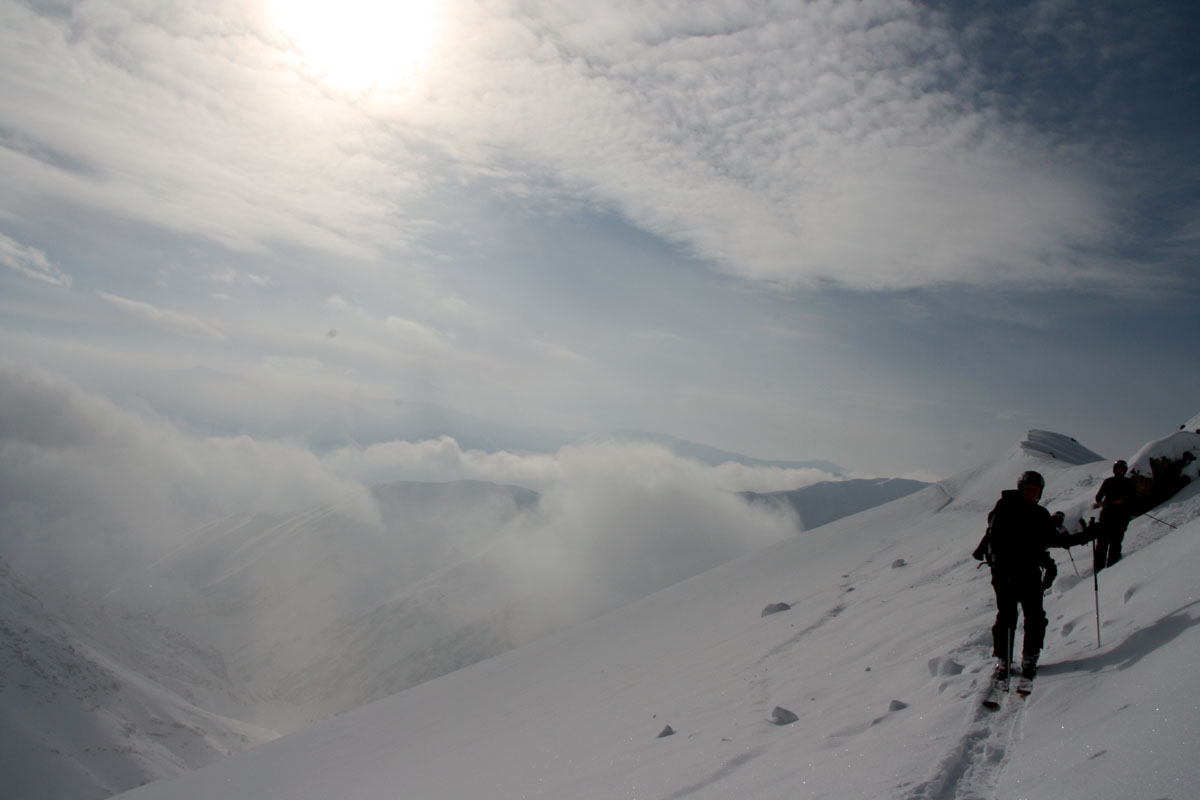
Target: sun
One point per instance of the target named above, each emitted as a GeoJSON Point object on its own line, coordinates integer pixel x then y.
{"type": "Point", "coordinates": [359, 45]}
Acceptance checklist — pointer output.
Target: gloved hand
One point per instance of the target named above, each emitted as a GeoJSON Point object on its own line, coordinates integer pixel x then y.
{"type": "Point", "coordinates": [1083, 537]}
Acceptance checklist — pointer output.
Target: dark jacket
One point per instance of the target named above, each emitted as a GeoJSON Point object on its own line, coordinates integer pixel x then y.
{"type": "Point", "coordinates": [1117, 494]}
{"type": "Point", "coordinates": [1017, 538]}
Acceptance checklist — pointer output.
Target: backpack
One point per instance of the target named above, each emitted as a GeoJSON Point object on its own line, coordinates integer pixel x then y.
{"type": "Point", "coordinates": [984, 551]}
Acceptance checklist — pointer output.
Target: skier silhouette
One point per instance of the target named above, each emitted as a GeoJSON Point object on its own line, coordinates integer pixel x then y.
{"type": "Point", "coordinates": [1115, 501]}
{"type": "Point", "coordinates": [1020, 531]}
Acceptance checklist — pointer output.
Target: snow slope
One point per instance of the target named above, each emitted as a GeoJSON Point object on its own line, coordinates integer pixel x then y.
{"type": "Point", "coordinates": [879, 662]}
{"type": "Point", "coordinates": [77, 723]}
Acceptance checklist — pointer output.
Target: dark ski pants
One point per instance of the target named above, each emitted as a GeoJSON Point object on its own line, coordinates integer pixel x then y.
{"type": "Point", "coordinates": [1013, 591]}
{"type": "Point", "coordinates": [1108, 544]}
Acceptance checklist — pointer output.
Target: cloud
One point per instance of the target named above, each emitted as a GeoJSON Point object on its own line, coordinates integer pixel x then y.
{"type": "Point", "coordinates": [414, 333]}
{"type": "Point", "coordinates": [396, 327]}
{"type": "Point", "coordinates": [98, 487]}
{"type": "Point", "coordinates": [558, 352]}
{"type": "Point", "coordinates": [623, 521]}
{"type": "Point", "coordinates": [565, 174]}
{"type": "Point", "coordinates": [444, 459]}
{"type": "Point", "coordinates": [191, 120]}
{"type": "Point", "coordinates": [172, 321]}
{"type": "Point", "coordinates": [31, 263]}
{"type": "Point", "coordinates": [92, 493]}
{"type": "Point", "coordinates": [861, 144]}
{"type": "Point", "coordinates": [825, 143]}
{"type": "Point", "coordinates": [614, 521]}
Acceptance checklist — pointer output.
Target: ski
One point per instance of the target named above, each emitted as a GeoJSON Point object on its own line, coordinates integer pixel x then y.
{"type": "Point", "coordinates": [1024, 686]}
{"type": "Point", "coordinates": [995, 694]}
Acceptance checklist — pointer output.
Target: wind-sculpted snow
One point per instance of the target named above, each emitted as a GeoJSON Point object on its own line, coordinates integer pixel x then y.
{"type": "Point", "coordinates": [1178, 446]}
{"type": "Point", "coordinates": [1059, 447]}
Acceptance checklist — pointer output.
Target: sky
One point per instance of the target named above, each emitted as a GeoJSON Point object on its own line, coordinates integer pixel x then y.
{"type": "Point", "coordinates": [882, 233]}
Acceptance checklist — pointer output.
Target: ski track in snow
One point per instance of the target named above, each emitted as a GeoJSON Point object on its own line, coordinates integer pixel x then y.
{"type": "Point", "coordinates": [972, 767]}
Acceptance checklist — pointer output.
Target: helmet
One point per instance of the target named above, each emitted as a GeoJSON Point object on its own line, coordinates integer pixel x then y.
{"type": "Point", "coordinates": [1032, 477]}
{"type": "Point", "coordinates": [1120, 464]}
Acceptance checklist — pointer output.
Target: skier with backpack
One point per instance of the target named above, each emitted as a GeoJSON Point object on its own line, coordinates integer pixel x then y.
{"type": "Point", "coordinates": [1020, 531]}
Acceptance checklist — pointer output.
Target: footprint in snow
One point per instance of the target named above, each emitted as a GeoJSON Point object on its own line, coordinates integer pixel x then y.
{"type": "Point", "coordinates": [944, 666]}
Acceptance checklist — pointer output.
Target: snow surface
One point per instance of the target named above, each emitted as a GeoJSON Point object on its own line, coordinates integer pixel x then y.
{"type": "Point", "coordinates": [75, 722]}
{"type": "Point", "coordinates": [880, 661]}
{"type": "Point", "coordinates": [1174, 446]}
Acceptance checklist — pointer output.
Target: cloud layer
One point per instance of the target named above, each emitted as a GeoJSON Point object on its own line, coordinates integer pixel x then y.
{"type": "Point", "coordinates": [791, 230]}
{"type": "Point", "coordinates": [92, 490]}
{"type": "Point", "coordinates": [859, 144]}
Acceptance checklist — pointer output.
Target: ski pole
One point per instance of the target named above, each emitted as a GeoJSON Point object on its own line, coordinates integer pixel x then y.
{"type": "Point", "coordinates": [1096, 590]}
{"type": "Point", "coordinates": [1163, 521]}
{"type": "Point", "coordinates": [1073, 562]}
{"type": "Point", "coordinates": [1011, 633]}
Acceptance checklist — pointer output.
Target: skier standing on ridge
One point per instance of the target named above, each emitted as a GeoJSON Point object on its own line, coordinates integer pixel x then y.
{"type": "Point", "coordinates": [1019, 533]}
{"type": "Point", "coordinates": [1115, 501]}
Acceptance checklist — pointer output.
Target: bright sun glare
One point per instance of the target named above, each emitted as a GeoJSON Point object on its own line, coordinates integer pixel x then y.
{"type": "Point", "coordinates": [360, 44]}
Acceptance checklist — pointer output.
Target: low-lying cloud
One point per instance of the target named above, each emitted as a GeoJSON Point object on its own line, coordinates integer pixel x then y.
{"type": "Point", "coordinates": [89, 484]}
{"type": "Point", "coordinates": [444, 459]}
{"type": "Point", "coordinates": [267, 548]}
{"type": "Point", "coordinates": [622, 521]}
{"type": "Point", "coordinates": [84, 477]}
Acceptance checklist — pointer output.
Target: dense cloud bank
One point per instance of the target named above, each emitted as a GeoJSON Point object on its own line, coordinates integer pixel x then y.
{"type": "Point", "coordinates": [91, 488]}
{"type": "Point", "coordinates": [94, 491]}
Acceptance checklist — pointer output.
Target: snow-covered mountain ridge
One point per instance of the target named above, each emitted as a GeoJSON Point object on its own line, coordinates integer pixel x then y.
{"type": "Point", "coordinates": [1058, 447]}
{"type": "Point", "coordinates": [879, 662]}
